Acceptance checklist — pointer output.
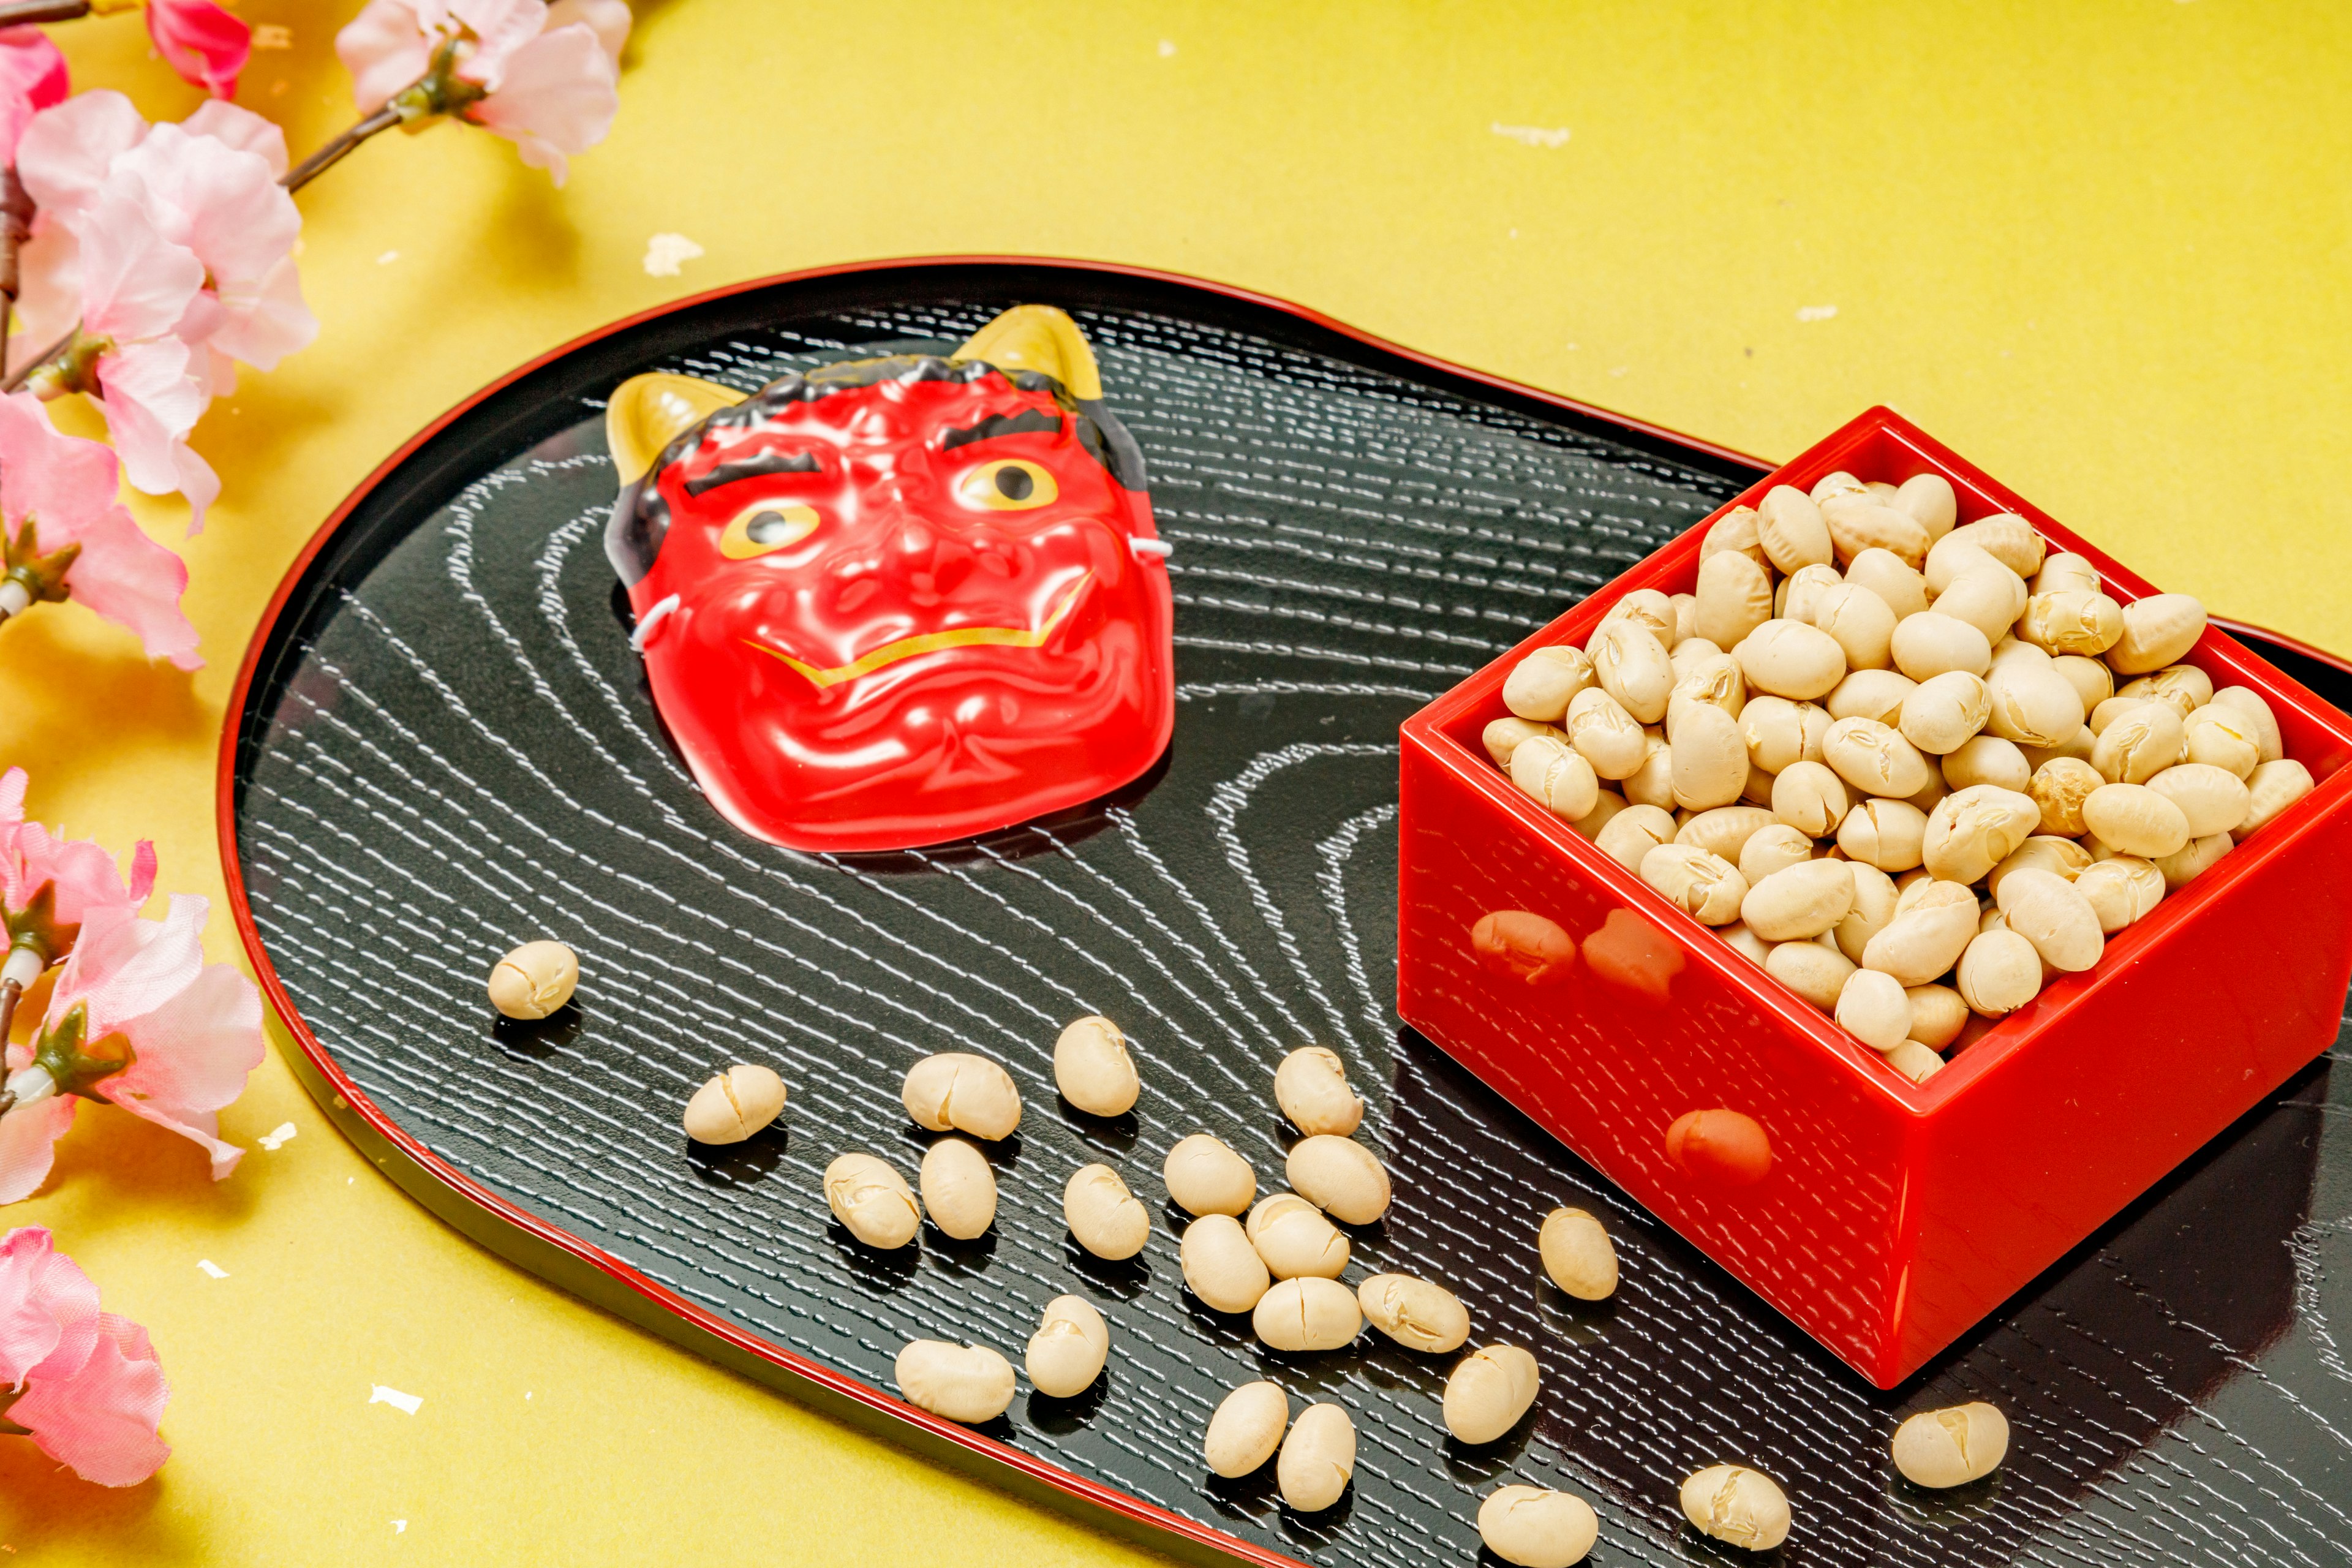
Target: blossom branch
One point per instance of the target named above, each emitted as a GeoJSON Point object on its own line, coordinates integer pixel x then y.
{"type": "Point", "coordinates": [27, 12]}
{"type": "Point", "coordinates": [334, 152]}
{"type": "Point", "coordinates": [15, 229]}
{"type": "Point", "coordinates": [49, 356]}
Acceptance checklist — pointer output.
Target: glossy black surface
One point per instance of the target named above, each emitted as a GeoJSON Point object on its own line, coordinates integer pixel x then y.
{"type": "Point", "coordinates": [450, 750]}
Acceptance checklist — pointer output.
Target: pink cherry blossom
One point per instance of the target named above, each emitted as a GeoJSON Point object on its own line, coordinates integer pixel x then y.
{"type": "Point", "coordinates": [202, 42]}
{"type": "Point", "coordinates": [390, 45]}
{"type": "Point", "coordinates": [223, 204]}
{"type": "Point", "coordinates": [48, 1308]}
{"type": "Point", "coordinates": [84, 1385]}
{"type": "Point", "coordinates": [138, 292]}
{"type": "Point", "coordinates": [81, 881]}
{"type": "Point", "coordinates": [66, 151]}
{"type": "Point", "coordinates": [129, 214]}
{"type": "Point", "coordinates": [545, 78]}
{"type": "Point", "coordinates": [31, 77]}
{"type": "Point", "coordinates": [86, 876]}
{"type": "Point", "coordinates": [67, 155]}
{"type": "Point", "coordinates": [190, 1031]}
{"type": "Point", "coordinates": [68, 486]}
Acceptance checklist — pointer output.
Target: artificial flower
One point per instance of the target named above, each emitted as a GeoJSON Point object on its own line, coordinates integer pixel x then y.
{"type": "Point", "coordinates": [139, 1018]}
{"type": "Point", "coordinates": [31, 77]}
{"type": "Point", "coordinates": [49, 889]}
{"type": "Point", "coordinates": [546, 79]}
{"type": "Point", "coordinates": [202, 42]}
{"type": "Point", "coordinates": [137, 291]}
{"type": "Point", "coordinates": [200, 194]}
{"type": "Point", "coordinates": [80, 876]}
{"type": "Point", "coordinates": [70, 150]}
{"type": "Point", "coordinates": [83, 1384]}
{"type": "Point", "coordinates": [65, 152]}
{"type": "Point", "coordinates": [58, 493]}
{"type": "Point", "coordinates": [221, 202]}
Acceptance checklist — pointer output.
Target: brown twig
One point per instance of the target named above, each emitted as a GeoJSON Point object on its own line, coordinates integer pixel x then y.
{"type": "Point", "coordinates": [24, 374]}
{"type": "Point", "coordinates": [15, 229]}
{"type": "Point", "coordinates": [334, 152]}
{"type": "Point", "coordinates": [9, 994]}
{"type": "Point", "coordinates": [24, 13]}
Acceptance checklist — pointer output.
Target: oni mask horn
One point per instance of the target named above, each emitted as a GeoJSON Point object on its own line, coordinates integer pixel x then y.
{"type": "Point", "coordinates": [1038, 338]}
{"type": "Point", "coordinates": [649, 412]}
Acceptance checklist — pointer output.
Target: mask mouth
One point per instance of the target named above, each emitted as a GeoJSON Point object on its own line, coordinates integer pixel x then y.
{"type": "Point", "coordinates": [921, 643]}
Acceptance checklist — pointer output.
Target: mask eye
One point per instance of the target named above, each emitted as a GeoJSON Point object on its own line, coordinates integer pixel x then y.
{"type": "Point", "coordinates": [765, 527]}
{"type": "Point", "coordinates": [1009, 484]}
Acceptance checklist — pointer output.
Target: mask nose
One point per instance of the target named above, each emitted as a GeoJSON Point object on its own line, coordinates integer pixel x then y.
{"type": "Point", "coordinates": [928, 563]}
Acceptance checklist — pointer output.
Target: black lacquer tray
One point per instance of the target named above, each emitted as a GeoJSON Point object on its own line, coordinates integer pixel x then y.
{"type": "Point", "coordinates": [443, 746]}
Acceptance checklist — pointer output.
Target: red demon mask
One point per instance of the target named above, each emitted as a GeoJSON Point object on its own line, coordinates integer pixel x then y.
{"type": "Point", "coordinates": [896, 602]}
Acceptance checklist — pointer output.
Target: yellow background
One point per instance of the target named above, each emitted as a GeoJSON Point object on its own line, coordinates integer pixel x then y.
{"type": "Point", "coordinates": [2101, 248]}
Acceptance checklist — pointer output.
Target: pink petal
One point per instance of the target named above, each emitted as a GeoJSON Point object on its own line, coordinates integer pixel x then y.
{"type": "Point", "coordinates": [214, 372]}
{"type": "Point", "coordinates": [65, 481]}
{"type": "Point", "coordinates": [84, 874]}
{"type": "Point", "coordinates": [202, 42]}
{"type": "Point", "coordinates": [130, 579]}
{"type": "Point", "coordinates": [48, 1308]}
{"type": "Point", "coordinates": [198, 485]}
{"type": "Point", "coordinates": [27, 1137]}
{"type": "Point", "coordinates": [387, 46]}
{"type": "Point", "coordinates": [502, 28]}
{"type": "Point", "coordinates": [226, 207]}
{"type": "Point", "coordinates": [204, 316]}
{"type": "Point", "coordinates": [12, 797]}
{"type": "Point", "coordinates": [195, 1030]}
{"type": "Point", "coordinates": [142, 871]}
{"type": "Point", "coordinates": [150, 401]}
{"type": "Point", "coordinates": [608, 19]}
{"type": "Point", "coordinates": [66, 151]}
{"type": "Point", "coordinates": [195, 1052]}
{"type": "Point", "coordinates": [31, 77]}
{"type": "Point", "coordinates": [101, 1417]}
{"type": "Point", "coordinates": [241, 129]}
{"type": "Point", "coordinates": [32, 67]}
{"type": "Point", "coordinates": [126, 967]}
{"type": "Point", "coordinates": [223, 203]}
{"type": "Point", "coordinates": [559, 96]}
{"type": "Point", "coordinates": [48, 268]}
{"type": "Point", "coordinates": [266, 321]}
{"type": "Point", "coordinates": [135, 283]}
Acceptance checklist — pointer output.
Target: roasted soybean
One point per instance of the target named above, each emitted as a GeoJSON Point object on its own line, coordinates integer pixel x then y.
{"type": "Point", "coordinates": [1317, 1458]}
{"type": "Point", "coordinates": [1067, 1351]}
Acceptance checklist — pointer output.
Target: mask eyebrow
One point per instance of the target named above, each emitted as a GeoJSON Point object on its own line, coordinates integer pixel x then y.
{"type": "Point", "coordinates": [1029, 421]}
{"type": "Point", "coordinates": [766, 463]}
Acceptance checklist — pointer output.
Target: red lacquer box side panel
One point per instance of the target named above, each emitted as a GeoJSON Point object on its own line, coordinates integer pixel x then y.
{"type": "Point", "coordinates": [2120, 1079]}
{"type": "Point", "coordinates": [1641, 1049]}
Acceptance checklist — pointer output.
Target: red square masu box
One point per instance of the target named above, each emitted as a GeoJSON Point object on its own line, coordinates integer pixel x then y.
{"type": "Point", "coordinates": [1884, 1217]}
